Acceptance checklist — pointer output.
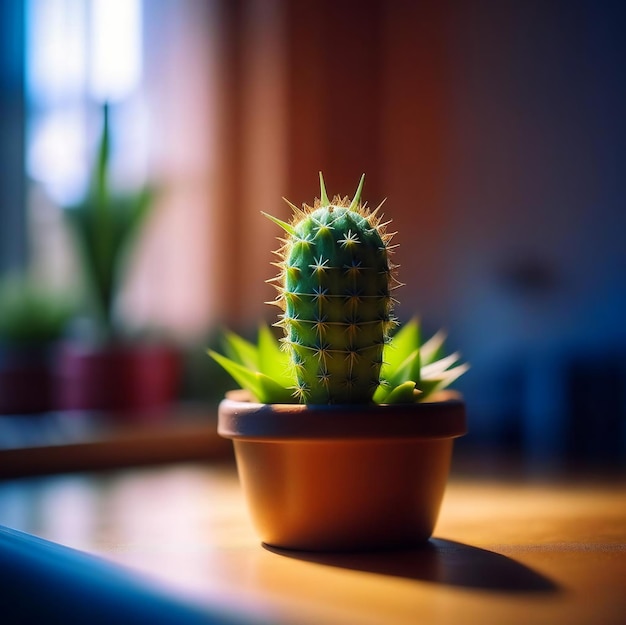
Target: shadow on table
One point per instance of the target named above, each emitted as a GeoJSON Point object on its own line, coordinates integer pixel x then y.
{"type": "Point", "coordinates": [438, 561]}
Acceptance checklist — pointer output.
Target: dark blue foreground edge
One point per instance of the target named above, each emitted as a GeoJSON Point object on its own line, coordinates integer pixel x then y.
{"type": "Point", "coordinates": [43, 582]}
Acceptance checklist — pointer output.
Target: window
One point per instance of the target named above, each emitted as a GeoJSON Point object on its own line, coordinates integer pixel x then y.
{"type": "Point", "coordinates": [153, 62]}
{"type": "Point", "coordinates": [80, 54]}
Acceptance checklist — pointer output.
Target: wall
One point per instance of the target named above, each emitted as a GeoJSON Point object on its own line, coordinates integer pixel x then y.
{"type": "Point", "coordinates": [496, 131]}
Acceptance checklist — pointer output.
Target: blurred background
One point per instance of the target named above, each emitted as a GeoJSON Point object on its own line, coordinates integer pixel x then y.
{"type": "Point", "coordinates": [496, 131]}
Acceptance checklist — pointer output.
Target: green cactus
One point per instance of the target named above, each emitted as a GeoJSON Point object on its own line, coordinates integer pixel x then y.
{"type": "Point", "coordinates": [334, 289]}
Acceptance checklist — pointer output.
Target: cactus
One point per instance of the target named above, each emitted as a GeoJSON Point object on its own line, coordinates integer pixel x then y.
{"type": "Point", "coordinates": [334, 289]}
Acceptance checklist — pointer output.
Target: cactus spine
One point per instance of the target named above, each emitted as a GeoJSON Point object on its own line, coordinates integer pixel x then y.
{"type": "Point", "coordinates": [334, 288]}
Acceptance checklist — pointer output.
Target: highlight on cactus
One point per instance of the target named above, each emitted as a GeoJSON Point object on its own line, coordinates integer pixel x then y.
{"type": "Point", "coordinates": [341, 343]}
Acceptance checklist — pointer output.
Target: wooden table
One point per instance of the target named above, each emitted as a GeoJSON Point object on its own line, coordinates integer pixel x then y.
{"type": "Point", "coordinates": [506, 551]}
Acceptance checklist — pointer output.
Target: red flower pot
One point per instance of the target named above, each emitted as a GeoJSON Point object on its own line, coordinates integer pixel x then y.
{"type": "Point", "coordinates": [137, 379]}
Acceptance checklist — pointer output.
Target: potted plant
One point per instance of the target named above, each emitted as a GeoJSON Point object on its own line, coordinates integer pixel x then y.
{"type": "Point", "coordinates": [343, 434]}
{"type": "Point", "coordinates": [32, 321]}
{"type": "Point", "coordinates": [105, 368]}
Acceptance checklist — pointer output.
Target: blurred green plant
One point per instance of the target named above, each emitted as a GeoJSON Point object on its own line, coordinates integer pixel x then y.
{"type": "Point", "coordinates": [31, 314]}
{"type": "Point", "coordinates": [412, 371]}
{"type": "Point", "coordinates": [105, 224]}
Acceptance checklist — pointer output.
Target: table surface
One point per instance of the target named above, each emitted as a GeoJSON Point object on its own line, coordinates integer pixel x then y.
{"type": "Point", "coordinates": [505, 550]}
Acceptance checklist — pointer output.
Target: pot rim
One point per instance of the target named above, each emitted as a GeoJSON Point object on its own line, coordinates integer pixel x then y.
{"type": "Point", "coordinates": [241, 419]}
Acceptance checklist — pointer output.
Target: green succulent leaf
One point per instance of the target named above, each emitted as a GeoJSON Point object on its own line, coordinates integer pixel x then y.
{"type": "Point", "coordinates": [272, 360]}
{"type": "Point", "coordinates": [246, 378]}
{"type": "Point", "coordinates": [408, 370]}
{"type": "Point", "coordinates": [264, 389]}
{"type": "Point", "coordinates": [402, 345]}
{"type": "Point", "coordinates": [442, 380]}
{"type": "Point", "coordinates": [405, 372]}
{"type": "Point", "coordinates": [435, 369]}
{"type": "Point", "coordinates": [273, 392]}
{"type": "Point", "coordinates": [381, 393]}
{"type": "Point", "coordinates": [405, 393]}
{"type": "Point", "coordinates": [412, 373]}
{"type": "Point", "coordinates": [241, 351]}
{"type": "Point", "coordinates": [433, 348]}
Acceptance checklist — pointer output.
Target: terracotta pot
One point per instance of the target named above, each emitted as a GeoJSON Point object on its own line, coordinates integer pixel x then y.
{"type": "Point", "coordinates": [342, 477]}
{"type": "Point", "coordinates": [135, 379]}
